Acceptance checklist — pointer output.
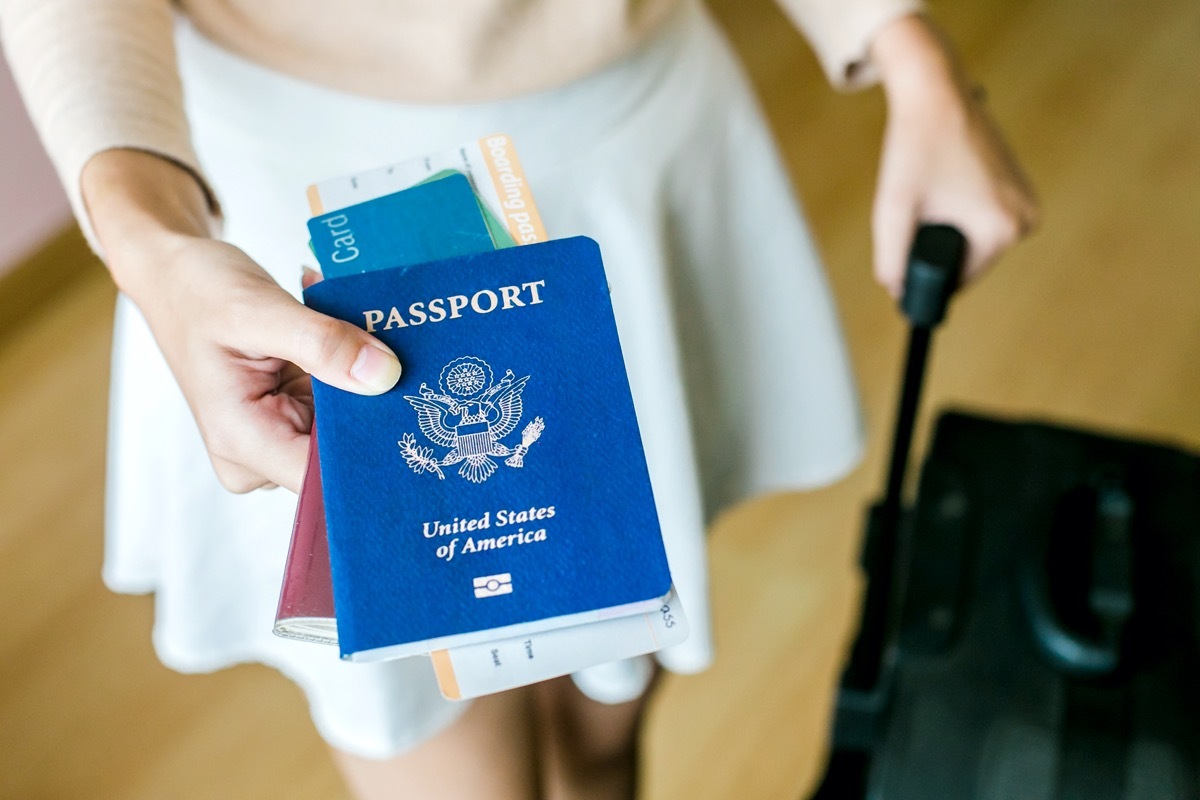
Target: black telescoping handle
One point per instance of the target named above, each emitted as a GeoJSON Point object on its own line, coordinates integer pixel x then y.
{"type": "Point", "coordinates": [935, 265]}
{"type": "Point", "coordinates": [934, 269]}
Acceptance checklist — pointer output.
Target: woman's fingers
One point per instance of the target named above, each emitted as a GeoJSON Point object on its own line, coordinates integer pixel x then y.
{"type": "Point", "coordinates": [931, 175]}
{"type": "Point", "coordinates": [943, 159]}
{"type": "Point", "coordinates": [270, 452]}
{"type": "Point", "coordinates": [240, 347]}
{"type": "Point", "coordinates": [893, 221]}
{"type": "Point", "coordinates": [231, 335]}
{"type": "Point", "coordinates": [259, 411]}
{"type": "Point", "coordinates": [980, 188]}
{"type": "Point", "coordinates": [309, 276]}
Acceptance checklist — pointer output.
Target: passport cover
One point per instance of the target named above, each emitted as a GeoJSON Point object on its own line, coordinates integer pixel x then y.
{"type": "Point", "coordinates": [502, 481]}
{"type": "Point", "coordinates": [305, 609]}
{"type": "Point", "coordinates": [439, 218]}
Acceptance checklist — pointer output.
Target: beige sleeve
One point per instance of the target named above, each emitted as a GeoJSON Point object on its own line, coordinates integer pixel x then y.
{"type": "Point", "coordinates": [97, 75]}
{"type": "Point", "coordinates": [841, 32]}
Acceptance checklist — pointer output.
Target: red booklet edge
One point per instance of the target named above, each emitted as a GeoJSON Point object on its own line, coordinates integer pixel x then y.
{"type": "Point", "coordinates": [307, 589]}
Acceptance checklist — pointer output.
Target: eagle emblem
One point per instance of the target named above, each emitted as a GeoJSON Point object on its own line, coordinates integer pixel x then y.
{"type": "Point", "coordinates": [471, 415]}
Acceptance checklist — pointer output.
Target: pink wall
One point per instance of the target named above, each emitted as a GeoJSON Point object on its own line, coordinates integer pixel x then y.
{"type": "Point", "coordinates": [32, 204]}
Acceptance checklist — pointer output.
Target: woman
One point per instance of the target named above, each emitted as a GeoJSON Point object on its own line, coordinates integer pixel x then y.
{"type": "Point", "coordinates": [635, 126]}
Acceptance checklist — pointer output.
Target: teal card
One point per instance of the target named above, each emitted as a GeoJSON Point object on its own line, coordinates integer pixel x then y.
{"type": "Point", "coordinates": [437, 219]}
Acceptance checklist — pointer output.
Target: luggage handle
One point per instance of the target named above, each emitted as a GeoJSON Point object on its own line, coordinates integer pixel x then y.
{"type": "Point", "coordinates": [934, 269]}
{"type": "Point", "coordinates": [935, 265]}
{"type": "Point", "coordinates": [1103, 513]}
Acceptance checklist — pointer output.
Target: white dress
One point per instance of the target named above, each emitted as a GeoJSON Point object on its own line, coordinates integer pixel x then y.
{"type": "Point", "coordinates": [739, 374]}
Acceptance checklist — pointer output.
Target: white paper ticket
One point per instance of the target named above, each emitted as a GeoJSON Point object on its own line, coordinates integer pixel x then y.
{"type": "Point", "coordinates": [476, 670]}
{"type": "Point", "coordinates": [490, 164]}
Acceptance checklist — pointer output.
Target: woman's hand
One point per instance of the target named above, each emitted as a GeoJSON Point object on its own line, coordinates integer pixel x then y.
{"type": "Point", "coordinates": [943, 158]}
{"type": "Point", "coordinates": [241, 347]}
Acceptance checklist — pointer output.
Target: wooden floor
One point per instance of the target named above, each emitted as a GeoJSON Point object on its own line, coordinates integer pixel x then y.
{"type": "Point", "coordinates": [1096, 321]}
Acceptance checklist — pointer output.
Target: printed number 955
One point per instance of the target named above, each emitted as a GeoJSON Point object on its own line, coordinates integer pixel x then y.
{"type": "Point", "coordinates": [668, 617]}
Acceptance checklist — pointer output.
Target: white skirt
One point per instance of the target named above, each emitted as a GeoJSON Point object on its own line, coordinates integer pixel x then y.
{"type": "Point", "coordinates": [738, 370]}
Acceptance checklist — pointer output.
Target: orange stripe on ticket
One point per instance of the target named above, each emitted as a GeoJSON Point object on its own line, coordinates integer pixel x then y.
{"type": "Point", "coordinates": [314, 201]}
{"type": "Point", "coordinates": [516, 200]}
{"type": "Point", "coordinates": [444, 670]}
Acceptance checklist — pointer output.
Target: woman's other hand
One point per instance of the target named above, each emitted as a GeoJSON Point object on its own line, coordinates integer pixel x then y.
{"type": "Point", "coordinates": [241, 347]}
{"type": "Point", "coordinates": [943, 158]}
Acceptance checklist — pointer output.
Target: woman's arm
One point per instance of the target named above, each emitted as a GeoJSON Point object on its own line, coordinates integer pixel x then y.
{"type": "Point", "coordinates": [943, 158]}
{"type": "Point", "coordinates": [96, 75]}
{"type": "Point", "coordinates": [101, 83]}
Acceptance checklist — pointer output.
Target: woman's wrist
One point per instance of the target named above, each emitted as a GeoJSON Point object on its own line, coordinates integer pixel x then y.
{"type": "Point", "coordinates": [916, 63]}
{"type": "Point", "coordinates": [143, 208]}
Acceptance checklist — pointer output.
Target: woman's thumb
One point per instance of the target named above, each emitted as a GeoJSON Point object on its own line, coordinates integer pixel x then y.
{"type": "Point", "coordinates": [332, 351]}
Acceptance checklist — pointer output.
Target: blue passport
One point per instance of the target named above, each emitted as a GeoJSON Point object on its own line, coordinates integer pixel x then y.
{"type": "Point", "coordinates": [431, 220]}
{"type": "Point", "coordinates": [501, 487]}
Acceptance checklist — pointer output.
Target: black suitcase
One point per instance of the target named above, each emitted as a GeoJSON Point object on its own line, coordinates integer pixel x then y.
{"type": "Point", "coordinates": [1031, 625]}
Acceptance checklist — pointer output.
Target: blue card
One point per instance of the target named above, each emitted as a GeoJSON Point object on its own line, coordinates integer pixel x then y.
{"type": "Point", "coordinates": [502, 482]}
{"type": "Point", "coordinates": [432, 220]}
